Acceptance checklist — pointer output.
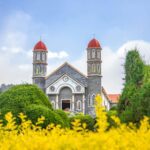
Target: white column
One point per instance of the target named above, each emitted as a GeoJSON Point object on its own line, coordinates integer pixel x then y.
{"type": "Point", "coordinates": [57, 102]}
{"type": "Point", "coordinates": [83, 103]}
{"type": "Point", "coordinates": [73, 102]}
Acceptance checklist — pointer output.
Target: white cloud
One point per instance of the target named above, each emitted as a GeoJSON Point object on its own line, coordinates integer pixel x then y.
{"type": "Point", "coordinates": [59, 55]}
{"type": "Point", "coordinates": [13, 38]}
{"type": "Point", "coordinates": [25, 67]}
{"type": "Point", "coordinates": [142, 46]}
{"type": "Point", "coordinates": [113, 61]}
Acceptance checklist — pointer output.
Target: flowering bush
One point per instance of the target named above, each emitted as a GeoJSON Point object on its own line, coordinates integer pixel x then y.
{"type": "Point", "coordinates": [29, 136]}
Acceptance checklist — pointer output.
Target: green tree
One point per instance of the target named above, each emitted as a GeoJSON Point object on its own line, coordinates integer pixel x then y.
{"type": "Point", "coordinates": [129, 107]}
{"type": "Point", "coordinates": [145, 99]}
{"type": "Point", "coordinates": [147, 73]}
{"type": "Point", "coordinates": [134, 68]}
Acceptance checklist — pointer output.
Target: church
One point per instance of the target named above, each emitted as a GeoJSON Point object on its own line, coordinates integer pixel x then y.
{"type": "Point", "coordinates": [68, 88]}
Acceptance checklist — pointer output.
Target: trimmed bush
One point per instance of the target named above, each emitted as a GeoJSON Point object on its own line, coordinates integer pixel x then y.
{"type": "Point", "coordinates": [18, 99]}
{"type": "Point", "coordinates": [64, 117]}
{"type": "Point", "coordinates": [90, 122]}
{"type": "Point", "coordinates": [36, 111]}
{"type": "Point", "coordinates": [21, 96]}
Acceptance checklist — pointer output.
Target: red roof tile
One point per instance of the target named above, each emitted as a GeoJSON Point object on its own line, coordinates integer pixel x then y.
{"type": "Point", "coordinates": [94, 44]}
{"type": "Point", "coordinates": [40, 46]}
{"type": "Point", "coordinates": [114, 97]}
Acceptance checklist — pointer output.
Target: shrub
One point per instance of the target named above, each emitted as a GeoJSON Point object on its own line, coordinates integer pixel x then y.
{"type": "Point", "coordinates": [21, 96]}
{"type": "Point", "coordinates": [111, 113]}
{"type": "Point", "coordinates": [90, 122]}
{"type": "Point", "coordinates": [114, 108]}
{"type": "Point", "coordinates": [64, 117]}
{"type": "Point", "coordinates": [123, 137]}
{"type": "Point", "coordinates": [18, 98]}
{"type": "Point", "coordinates": [36, 111]}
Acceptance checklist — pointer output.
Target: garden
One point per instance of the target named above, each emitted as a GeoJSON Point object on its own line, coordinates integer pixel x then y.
{"type": "Point", "coordinates": [28, 121]}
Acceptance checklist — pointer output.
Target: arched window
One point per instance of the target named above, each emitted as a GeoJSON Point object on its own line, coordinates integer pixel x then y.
{"type": "Point", "coordinates": [43, 56]}
{"type": "Point", "coordinates": [98, 54]}
{"type": "Point", "coordinates": [89, 100]}
{"type": "Point", "coordinates": [93, 100]}
{"type": "Point", "coordinates": [53, 104]}
{"type": "Point", "coordinates": [98, 68]}
{"type": "Point", "coordinates": [89, 55]}
{"type": "Point", "coordinates": [78, 105]}
{"type": "Point", "coordinates": [89, 68]}
{"type": "Point", "coordinates": [34, 56]}
{"type": "Point", "coordinates": [38, 56]}
{"type": "Point", "coordinates": [38, 69]}
{"type": "Point", "coordinates": [93, 68]}
{"type": "Point", "coordinates": [93, 53]}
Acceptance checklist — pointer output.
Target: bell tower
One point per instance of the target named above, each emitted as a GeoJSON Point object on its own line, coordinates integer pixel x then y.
{"type": "Point", "coordinates": [39, 64]}
{"type": "Point", "coordinates": [93, 72]}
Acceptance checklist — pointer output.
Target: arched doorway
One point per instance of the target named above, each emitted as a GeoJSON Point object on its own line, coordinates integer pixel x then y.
{"type": "Point", "coordinates": [65, 98]}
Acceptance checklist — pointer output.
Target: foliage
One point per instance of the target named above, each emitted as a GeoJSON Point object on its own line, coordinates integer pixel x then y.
{"type": "Point", "coordinates": [90, 122]}
{"type": "Point", "coordinates": [125, 98]}
{"type": "Point", "coordinates": [145, 96]}
{"type": "Point", "coordinates": [114, 108]}
{"type": "Point", "coordinates": [110, 121]}
{"type": "Point", "coordinates": [147, 73]}
{"type": "Point", "coordinates": [36, 111]}
{"type": "Point", "coordinates": [134, 68]}
{"type": "Point", "coordinates": [28, 136]}
{"type": "Point", "coordinates": [131, 106]}
{"type": "Point", "coordinates": [21, 96]}
{"type": "Point", "coordinates": [64, 117]}
{"type": "Point", "coordinates": [18, 98]}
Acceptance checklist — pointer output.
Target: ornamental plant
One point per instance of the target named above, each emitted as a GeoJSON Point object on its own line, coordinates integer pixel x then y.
{"type": "Point", "coordinates": [31, 101]}
{"type": "Point", "coordinates": [31, 136]}
{"type": "Point", "coordinates": [134, 101]}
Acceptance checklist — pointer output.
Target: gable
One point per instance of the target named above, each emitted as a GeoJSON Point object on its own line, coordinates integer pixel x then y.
{"type": "Point", "coordinates": [68, 70]}
{"type": "Point", "coordinates": [65, 81]}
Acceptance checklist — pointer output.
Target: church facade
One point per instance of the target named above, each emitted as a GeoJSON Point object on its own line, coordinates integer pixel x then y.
{"type": "Point", "coordinates": [67, 88]}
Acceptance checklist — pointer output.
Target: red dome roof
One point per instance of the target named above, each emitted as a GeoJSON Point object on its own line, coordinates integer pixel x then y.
{"type": "Point", "coordinates": [40, 46]}
{"type": "Point", "coordinates": [94, 44]}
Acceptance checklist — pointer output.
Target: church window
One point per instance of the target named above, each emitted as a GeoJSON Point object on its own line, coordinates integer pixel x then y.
{"type": "Point", "coordinates": [93, 53]}
{"type": "Point", "coordinates": [43, 56]}
{"type": "Point", "coordinates": [34, 56]}
{"type": "Point", "coordinates": [93, 68]}
{"type": "Point", "coordinates": [89, 100]}
{"type": "Point", "coordinates": [89, 55]}
{"type": "Point", "coordinates": [42, 71]}
{"type": "Point", "coordinates": [89, 68]}
{"type": "Point", "coordinates": [38, 56]}
{"type": "Point", "coordinates": [98, 68]}
{"type": "Point", "coordinates": [53, 104]}
{"type": "Point", "coordinates": [98, 54]}
{"type": "Point", "coordinates": [78, 105]}
{"type": "Point", "coordinates": [93, 100]}
{"type": "Point", "coordinates": [52, 88]}
{"type": "Point", "coordinates": [37, 69]}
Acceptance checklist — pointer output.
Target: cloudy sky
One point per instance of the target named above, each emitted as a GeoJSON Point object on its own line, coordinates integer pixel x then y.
{"type": "Point", "coordinates": [66, 26]}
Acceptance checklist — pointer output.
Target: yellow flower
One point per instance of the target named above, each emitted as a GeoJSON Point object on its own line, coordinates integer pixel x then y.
{"type": "Point", "coordinates": [25, 136]}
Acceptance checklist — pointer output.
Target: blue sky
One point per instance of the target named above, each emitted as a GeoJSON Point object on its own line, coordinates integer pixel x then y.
{"type": "Point", "coordinates": [68, 25]}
